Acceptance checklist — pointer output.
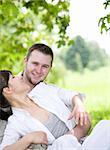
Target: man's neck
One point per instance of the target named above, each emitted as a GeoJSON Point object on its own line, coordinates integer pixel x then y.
{"type": "Point", "coordinates": [27, 81]}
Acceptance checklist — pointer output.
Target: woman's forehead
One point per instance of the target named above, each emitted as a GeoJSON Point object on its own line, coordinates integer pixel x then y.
{"type": "Point", "coordinates": [10, 76]}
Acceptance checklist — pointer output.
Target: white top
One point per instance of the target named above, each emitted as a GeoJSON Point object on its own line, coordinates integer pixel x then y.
{"type": "Point", "coordinates": [50, 97]}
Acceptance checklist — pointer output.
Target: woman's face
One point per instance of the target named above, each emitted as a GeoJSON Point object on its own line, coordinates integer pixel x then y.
{"type": "Point", "coordinates": [17, 84]}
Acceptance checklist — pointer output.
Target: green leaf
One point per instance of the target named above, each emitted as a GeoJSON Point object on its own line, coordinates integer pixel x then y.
{"type": "Point", "coordinates": [9, 10]}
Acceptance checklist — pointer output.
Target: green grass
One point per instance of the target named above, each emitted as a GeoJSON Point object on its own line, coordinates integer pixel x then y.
{"type": "Point", "coordinates": [96, 86]}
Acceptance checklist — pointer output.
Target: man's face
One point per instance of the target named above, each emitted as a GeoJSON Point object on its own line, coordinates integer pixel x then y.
{"type": "Point", "coordinates": [37, 67]}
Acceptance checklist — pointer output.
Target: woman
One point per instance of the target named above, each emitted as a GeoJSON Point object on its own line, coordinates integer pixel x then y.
{"type": "Point", "coordinates": [29, 120]}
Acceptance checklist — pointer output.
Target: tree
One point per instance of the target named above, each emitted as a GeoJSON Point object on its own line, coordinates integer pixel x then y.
{"type": "Point", "coordinates": [77, 57]}
{"type": "Point", "coordinates": [24, 22]}
{"type": "Point", "coordinates": [104, 22]}
{"type": "Point", "coordinates": [36, 15]}
{"type": "Point", "coordinates": [84, 54]}
{"type": "Point", "coordinates": [98, 56]}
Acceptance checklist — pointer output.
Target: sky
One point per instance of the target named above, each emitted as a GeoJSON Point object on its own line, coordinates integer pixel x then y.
{"type": "Point", "coordinates": [84, 16]}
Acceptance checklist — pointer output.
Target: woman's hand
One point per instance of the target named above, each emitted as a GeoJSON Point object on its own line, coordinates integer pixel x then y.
{"type": "Point", "coordinates": [38, 137]}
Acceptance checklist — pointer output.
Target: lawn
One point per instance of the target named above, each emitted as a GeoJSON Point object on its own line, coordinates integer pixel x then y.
{"type": "Point", "coordinates": [96, 86]}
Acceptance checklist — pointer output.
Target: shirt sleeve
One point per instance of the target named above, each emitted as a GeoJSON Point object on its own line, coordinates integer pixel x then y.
{"type": "Point", "coordinates": [67, 95]}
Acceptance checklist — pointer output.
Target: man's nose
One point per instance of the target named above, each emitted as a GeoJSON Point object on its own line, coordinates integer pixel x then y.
{"type": "Point", "coordinates": [39, 69]}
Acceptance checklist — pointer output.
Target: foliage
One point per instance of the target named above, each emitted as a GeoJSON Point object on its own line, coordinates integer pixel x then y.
{"type": "Point", "coordinates": [77, 56]}
{"type": "Point", "coordinates": [28, 15]}
{"type": "Point", "coordinates": [84, 55]}
{"type": "Point", "coordinates": [98, 56]}
{"type": "Point", "coordinates": [104, 22]}
{"type": "Point", "coordinates": [24, 22]}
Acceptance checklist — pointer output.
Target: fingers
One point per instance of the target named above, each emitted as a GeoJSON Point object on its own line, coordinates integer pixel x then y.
{"type": "Point", "coordinates": [70, 116]}
{"type": "Point", "coordinates": [77, 118]}
{"type": "Point", "coordinates": [81, 118]}
{"type": "Point", "coordinates": [85, 118]}
{"type": "Point", "coordinates": [72, 132]}
{"type": "Point", "coordinates": [45, 142]}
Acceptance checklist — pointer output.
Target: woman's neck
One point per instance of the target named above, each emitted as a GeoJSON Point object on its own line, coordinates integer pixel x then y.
{"type": "Point", "coordinates": [21, 101]}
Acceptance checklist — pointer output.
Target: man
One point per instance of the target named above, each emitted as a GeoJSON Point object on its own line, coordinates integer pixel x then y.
{"type": "Point", "coordinates": [38, 63]}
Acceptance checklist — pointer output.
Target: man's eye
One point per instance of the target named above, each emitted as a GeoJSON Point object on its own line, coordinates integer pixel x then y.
{"type": "Point", "coordinates": [45, 66]}
{"type": "Point", "coordinates": [13, 77]}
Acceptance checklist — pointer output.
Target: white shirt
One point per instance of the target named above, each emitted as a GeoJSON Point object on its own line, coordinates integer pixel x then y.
{"type": "Point", "coordinates": [50, 97]}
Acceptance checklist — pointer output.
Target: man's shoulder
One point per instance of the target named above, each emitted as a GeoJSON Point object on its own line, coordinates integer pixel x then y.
{"type": "Point", "coordinates": [45, 84]}
{"type": "Point", "coordinates": [43, 87]}
{"type": "Point", "coordinates": [49, 85]}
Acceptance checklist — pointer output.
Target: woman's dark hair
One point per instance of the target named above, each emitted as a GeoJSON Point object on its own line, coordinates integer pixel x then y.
{"type": "Point", "coordinates": [5, 108]}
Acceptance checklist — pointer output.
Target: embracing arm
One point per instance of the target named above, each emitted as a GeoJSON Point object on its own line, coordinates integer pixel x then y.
{"type": "Point", "coordinates": [79, 112]}
{"type": "Point", "coordinates": [37, 137]}
{"type": "Point", "coordinates": [81, 117]}
{"type": "Point", "coordinates": [74, 100]}
{"type": "Point", "coordinates": [82, 131]}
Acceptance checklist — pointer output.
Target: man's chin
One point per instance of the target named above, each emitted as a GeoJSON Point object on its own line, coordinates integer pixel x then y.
{"type": "Point", "coordinates": [36, 82]}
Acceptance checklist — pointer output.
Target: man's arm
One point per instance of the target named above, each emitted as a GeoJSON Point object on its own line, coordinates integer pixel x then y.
{"type": "Point", "coordinates": [82, 131]}
{"type": "Point", "coordinates": [79, 112]}
{"type": "Point", "coordinates": [74, 100]}
{"type": "Point", "coordinates": [81, 117]}
{"type": "Point", "coordinates": [37, 137]}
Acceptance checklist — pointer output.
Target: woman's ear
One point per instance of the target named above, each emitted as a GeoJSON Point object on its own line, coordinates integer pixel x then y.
{"type": "Point", "coordinates": [7, 90]}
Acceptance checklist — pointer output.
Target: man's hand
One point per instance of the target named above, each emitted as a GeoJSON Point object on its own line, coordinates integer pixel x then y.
{"type": "Point", "coordinates": [79, 113]}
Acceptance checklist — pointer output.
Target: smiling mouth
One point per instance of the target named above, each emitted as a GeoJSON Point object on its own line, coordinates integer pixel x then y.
{"type": "Point", "coordinates": [36, 76]}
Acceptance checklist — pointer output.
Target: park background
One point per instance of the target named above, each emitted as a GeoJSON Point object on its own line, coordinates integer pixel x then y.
{"type": "Point", "coordinates": [79, 64]}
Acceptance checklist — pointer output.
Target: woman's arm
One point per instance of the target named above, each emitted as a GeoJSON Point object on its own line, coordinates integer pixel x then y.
{"type": "Point", "coordinates": [37, 137]}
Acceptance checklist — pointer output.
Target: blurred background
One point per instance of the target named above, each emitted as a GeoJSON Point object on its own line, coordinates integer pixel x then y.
{"type": "Point", "coordinates": [78, 33]}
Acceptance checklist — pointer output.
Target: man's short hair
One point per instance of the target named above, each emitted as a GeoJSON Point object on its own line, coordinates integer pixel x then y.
{"type": "Point", "coordinates": [41, 48]}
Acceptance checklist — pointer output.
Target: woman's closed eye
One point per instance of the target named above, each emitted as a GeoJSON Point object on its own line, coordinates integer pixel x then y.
{"type": "Point", "coordinates": [13, 77]}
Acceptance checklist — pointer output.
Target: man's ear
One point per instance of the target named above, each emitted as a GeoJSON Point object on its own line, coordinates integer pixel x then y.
{"type": "Point", "coordinates": [25, 60]}
{"type": "Point", "coordinates": [7, 90]}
